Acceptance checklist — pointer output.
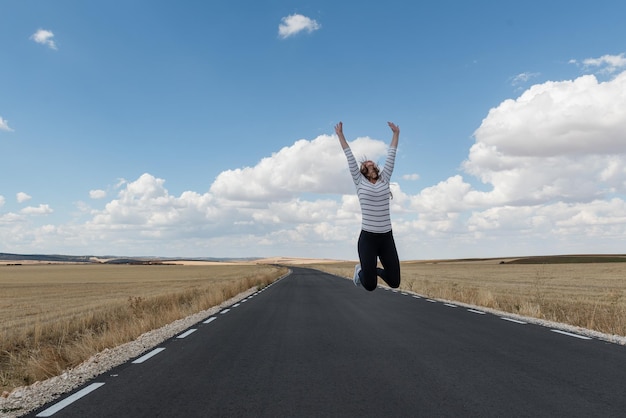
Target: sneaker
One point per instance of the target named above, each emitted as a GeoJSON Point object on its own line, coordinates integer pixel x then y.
{"type": "Point", "coordinates": [357, 279]}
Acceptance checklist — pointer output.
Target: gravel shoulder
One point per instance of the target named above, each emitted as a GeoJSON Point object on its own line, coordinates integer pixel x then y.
{"type": "Point", "coordinates": [27, 398]}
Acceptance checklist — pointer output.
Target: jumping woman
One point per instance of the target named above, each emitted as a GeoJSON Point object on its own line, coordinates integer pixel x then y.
{"type": "Point", "coordinates": [376, 238]}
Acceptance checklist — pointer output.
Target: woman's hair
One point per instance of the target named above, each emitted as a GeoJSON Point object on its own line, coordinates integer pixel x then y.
{"type": "Point", "coordinates": [364, 169]}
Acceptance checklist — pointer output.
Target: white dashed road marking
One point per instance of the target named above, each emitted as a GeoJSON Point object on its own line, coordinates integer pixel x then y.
{"type": "Point", "coordinates": [569, 334]}
{"type": "Point", "coordinates": [476, 312]}
{"type": "Point", "coordinates": [69, 400]}
{"type": "Point", "coordinates": [187, 333]}
{"type": "Point", "coordinates": [147, 356]}
{"type": "Point", "coordinates": [513, 320]}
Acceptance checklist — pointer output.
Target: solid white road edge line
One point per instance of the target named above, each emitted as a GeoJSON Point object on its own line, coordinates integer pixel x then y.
{"type": "Point", "coordinates": [582, 337]}
{"type": "Point", "coordinates": [69, 400]}
{"type": "Point", "coordinates": [148, 355]}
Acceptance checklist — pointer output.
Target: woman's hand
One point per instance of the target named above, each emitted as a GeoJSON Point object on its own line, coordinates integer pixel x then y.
{"type": "Point", "coordinates": [394, 128]}
{"type": "Point", "coordinates": [339, 128]}
{"type": "Point", "coordinates": [339, 132]}
{"type": "Point", "coordinates": [396, 134]}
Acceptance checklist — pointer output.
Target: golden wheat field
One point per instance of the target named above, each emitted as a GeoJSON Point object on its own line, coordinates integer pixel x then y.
{"type": "Point", "coordinates": [587, 295]}
{"type": "Point", "coordinates": [55, 316]}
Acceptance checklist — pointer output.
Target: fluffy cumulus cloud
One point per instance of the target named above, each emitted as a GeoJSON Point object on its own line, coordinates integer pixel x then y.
{"type": "Point", "coordinates": [296, 23]}
{"type": "Point", "coordinates": [37, 210]}
{"type": "Point", "coordinates": [297, 201]}
{"type": "Point", "coordinates": [313, 166]}
{"type": "Point", "coordinates": [557, 141]}
{"type": "Point", "coordinates": [544, 175]}
{"type": "Point", "coordinates": [97, 194]}
{"type": "Point", "coordinates": [44, 37]}
{"type": "Point", "coordinates": [552, 166]}
{"type": "Point", "coordinates": [255, 208]}
{"type": "Point", "coordinates": [22, 197]}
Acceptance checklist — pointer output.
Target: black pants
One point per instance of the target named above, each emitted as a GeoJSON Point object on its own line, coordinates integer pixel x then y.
{"type": "Point", "coordinates": [381, 246]}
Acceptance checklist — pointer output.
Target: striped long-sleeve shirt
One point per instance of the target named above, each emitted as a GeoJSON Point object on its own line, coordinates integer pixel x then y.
{"type": "Point", "coordinates": [373, 197]}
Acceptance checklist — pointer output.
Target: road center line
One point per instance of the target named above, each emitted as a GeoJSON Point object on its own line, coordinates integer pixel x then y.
{"type": "Point", "coordinates": [69, 400]}
{"type": "Point", "coordinates": [148, 355]}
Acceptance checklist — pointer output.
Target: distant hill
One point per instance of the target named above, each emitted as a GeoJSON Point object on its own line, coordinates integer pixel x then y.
{"type": "Point", "coordinates": [566, 259]}
{"type": "Point", "coordinates": [45, 257]}
{"type": "Point", "coordinates": [59, 258]}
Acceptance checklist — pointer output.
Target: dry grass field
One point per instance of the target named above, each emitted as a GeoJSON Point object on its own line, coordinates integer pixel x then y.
{"type": "Point", "coordinates": [587, 295]}
{"type": "Point", "coordinates": [55, 316]}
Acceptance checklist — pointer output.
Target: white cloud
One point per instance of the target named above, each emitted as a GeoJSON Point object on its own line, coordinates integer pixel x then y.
{"type": "Point", "coordinates": [552, 162]}
{"type": "Point", "coordinates": [523, 78]}
{"type": "Point", "coordinates": [608, 64]}
{"type": "Point", "coordinates": [295, 201]}
{"type": "Point", "coordinates": [22, 197]}
{"type": "Point", "coordinates": [4, 125]}
{"type": "Point", "coordinates": [145, 214]}
{"type": "Point", "coordinates": [37, 210]}
{"type": "Point", "coordinates": [1, 200]}
{"type": "Point", "coordinates": [557, 141]}
{"type": "Point", "coordinates": [555, 118]}
{"type": "Point", "coordinates": [296, 23]}
{"type": "Point", "coordinates": [44, 37]}
{"type": "Point", "coordinates": [411, 177]}
{"type": "Point", "coordinates": [317, 166]}
{"type": "Point", "coordinates": [97, 194]}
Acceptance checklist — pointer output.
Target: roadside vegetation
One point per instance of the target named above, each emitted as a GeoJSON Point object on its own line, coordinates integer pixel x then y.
{"type": "Point", "coordinates": [583, 291]}
{"type": "Point", "coordinates": [55, 317]}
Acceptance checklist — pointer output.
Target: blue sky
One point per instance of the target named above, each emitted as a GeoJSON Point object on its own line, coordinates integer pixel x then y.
{"type": "Point", "coordinates": [206, 128]}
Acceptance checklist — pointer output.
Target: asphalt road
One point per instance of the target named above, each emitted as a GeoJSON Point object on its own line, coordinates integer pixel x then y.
{"type": "Point", "coordinates": [314, 345]}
